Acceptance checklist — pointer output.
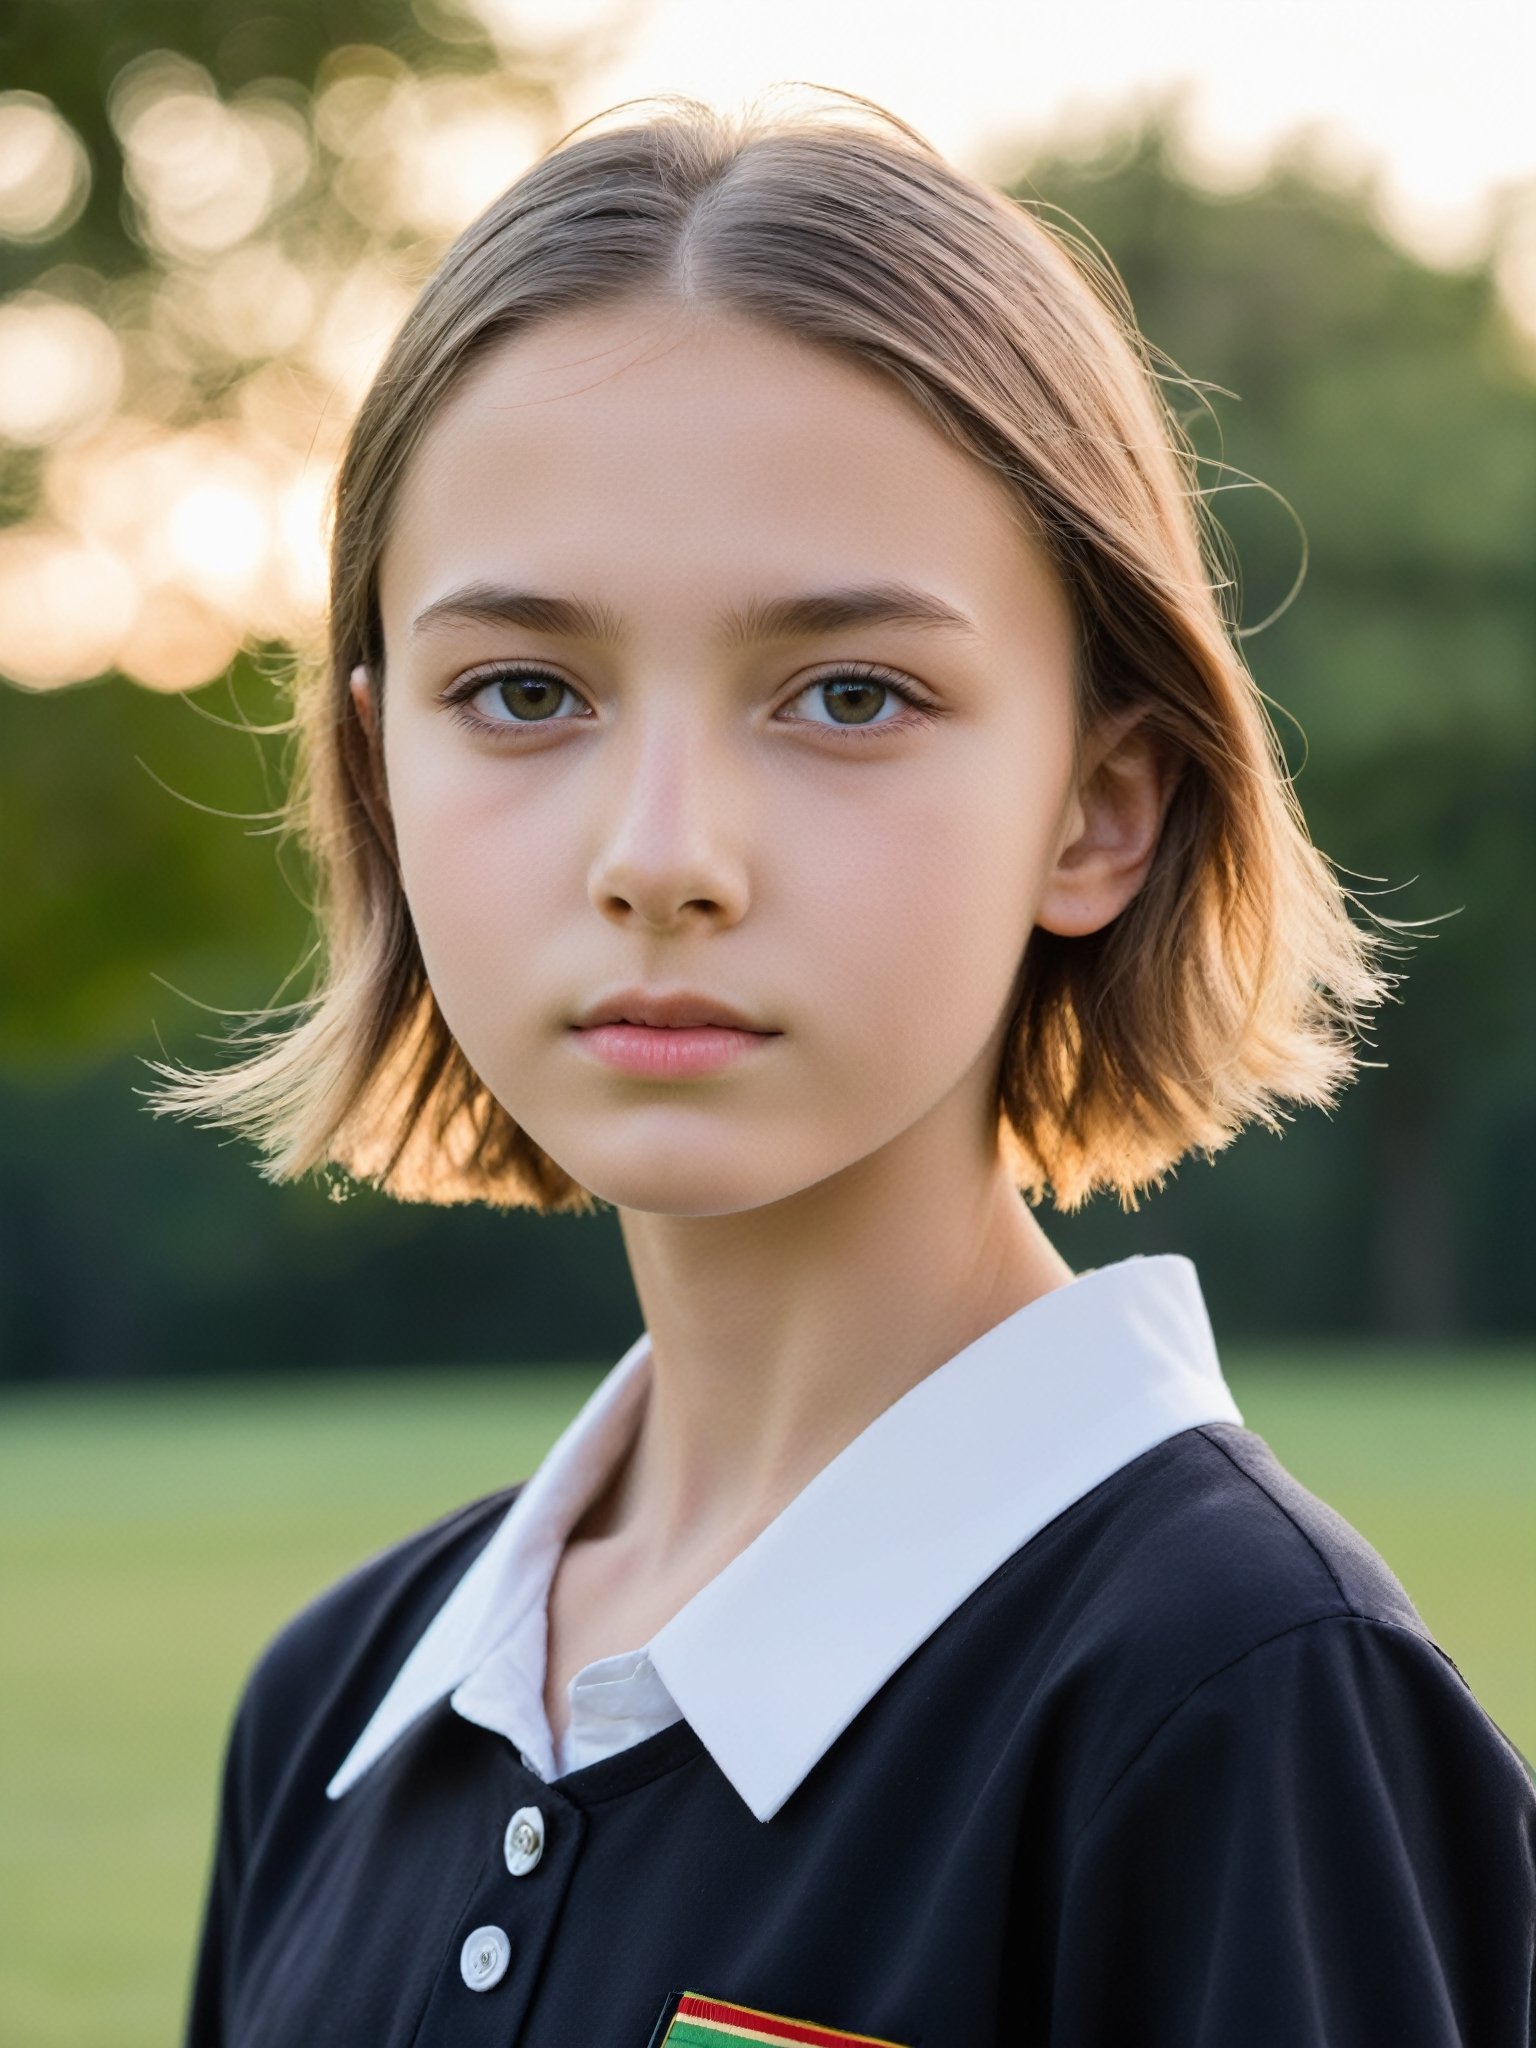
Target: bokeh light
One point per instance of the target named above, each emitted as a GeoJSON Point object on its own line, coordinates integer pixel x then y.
{"type": "Point", "coordinates": [202, 175]}
{"type": "Point", "coordinates": [60, 369]}
{"type": "Point", "coordinates": [66, 606]}
{"type": "Point", "coordinates": [464, 145]}
{"type": "Point", "coordinates": [188, 417]}
{"type": "Point", "coordinates": [218, 534]}
{"type": "Point", "coordinates": [176, 642]}
{"type": "Point", "coordinates": [253, 303]}
{"type": "Point", "coordinates": [45, 174]}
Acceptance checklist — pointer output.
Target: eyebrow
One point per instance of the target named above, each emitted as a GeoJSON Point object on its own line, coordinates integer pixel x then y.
{"type": "Point", "coordinates": [776, 618]}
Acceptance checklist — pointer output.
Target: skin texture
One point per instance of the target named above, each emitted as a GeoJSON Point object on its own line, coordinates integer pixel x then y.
{"type": "Point", "coordinates": [814, 1230]}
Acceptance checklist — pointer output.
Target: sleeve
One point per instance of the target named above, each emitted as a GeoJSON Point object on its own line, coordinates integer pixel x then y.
{"type": "Point", "coordinates": [1328, 1844]}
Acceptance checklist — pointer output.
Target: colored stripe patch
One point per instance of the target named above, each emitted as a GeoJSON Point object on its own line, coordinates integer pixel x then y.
{"type": "Point", "coordinates": [701, 2022]}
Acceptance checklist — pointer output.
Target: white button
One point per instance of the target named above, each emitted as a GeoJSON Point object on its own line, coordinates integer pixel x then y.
{"type": "Point", "coordinates": [484, 1958]}
{"type": "Point", "coordinates": [524, 1841]}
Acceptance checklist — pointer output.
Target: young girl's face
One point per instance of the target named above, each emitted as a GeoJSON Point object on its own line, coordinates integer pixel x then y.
{"type": "Point", "coordinates": [845, 825]}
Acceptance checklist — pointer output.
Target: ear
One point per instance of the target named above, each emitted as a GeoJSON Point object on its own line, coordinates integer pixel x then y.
{"type": "Point", "coordinates": [361, 686]}
{"type": "Point", "coordinates": [1114, 819]}
{"type": "Point", "coordinates": [372, 791]}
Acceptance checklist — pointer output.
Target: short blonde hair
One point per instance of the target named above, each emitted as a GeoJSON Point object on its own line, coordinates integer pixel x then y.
{"type": "Point", "coordinates": [1235, 977]}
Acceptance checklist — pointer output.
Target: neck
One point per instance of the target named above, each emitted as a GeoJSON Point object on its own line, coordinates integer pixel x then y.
{"type": "Point", "coordinates": [779, 1333]}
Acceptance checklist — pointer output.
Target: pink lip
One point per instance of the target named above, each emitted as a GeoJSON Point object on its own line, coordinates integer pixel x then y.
{"type": "Point", "coordinates": [669, 1052]}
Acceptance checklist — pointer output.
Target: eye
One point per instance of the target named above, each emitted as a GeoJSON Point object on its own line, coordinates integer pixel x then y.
{"type": "Point", "coordinates": [852, 696]}
{"type": "Point", "coordinates": [512, 697]}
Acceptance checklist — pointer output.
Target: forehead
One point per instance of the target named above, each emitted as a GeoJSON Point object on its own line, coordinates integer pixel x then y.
{"type": "Point", "coordinates": [672, 456]}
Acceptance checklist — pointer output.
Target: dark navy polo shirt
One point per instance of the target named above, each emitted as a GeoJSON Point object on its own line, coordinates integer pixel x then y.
{"type": "Point", "coordinates": [1185, 1771]}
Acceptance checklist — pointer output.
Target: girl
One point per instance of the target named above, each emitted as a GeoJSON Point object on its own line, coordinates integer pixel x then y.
{"type": "Point", "coordinates": [782, 771]}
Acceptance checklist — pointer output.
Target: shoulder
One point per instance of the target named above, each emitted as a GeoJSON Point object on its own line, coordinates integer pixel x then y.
{"type": "Point", "coordinates": [1293, 1820]}
{"type": "Point", "coordinates": [324, 1671]}
{"type": "Point", "coordinates": [1205, 1560]}
{"type": "Point", "coordinates": [1231, 1546]}
{"type": "Point", "coordinates": [1285, 1533]}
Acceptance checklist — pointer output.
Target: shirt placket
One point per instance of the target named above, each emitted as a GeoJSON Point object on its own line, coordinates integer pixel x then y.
{"type": "Point", "coordinates": [491, 1965]}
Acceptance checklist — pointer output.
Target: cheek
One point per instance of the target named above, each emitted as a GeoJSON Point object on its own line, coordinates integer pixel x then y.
{"type": "Point", "coordinates": [917, 909]}
{"type": "Point", "coordinates": [476, 877]}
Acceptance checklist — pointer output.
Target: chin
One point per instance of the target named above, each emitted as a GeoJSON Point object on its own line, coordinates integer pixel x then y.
{"type": "Point", "coordinates": [685, 1192]}
{"type": "Point", "coordinates": [693, 1180]}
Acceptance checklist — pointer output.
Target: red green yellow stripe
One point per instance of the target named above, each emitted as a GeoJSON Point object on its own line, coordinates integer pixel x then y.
{"type": "Point", "coordinates": [701, 2022]}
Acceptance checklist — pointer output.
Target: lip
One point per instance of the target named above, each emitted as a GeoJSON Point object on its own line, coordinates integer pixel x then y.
{"type": "Point", "coordinates": [668, 1034]}
{"type": "Point", "coordinates": [670, 1009]}
{"type": "Point", "coordinates": [670, 1052]}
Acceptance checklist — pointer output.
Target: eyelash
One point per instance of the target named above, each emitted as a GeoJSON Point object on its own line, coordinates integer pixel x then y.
{"type": "Point", "coordinates": [920, 710]}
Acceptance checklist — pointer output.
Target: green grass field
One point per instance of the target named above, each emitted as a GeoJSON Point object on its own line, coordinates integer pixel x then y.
{"type": "Point", "coordinates": [151, 1539]}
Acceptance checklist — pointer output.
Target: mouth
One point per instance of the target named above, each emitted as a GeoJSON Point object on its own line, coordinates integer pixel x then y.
{"type": "Point", "coordinates": [670, 1052]}
{"type": "Point", "coordinates": [669, 1010]}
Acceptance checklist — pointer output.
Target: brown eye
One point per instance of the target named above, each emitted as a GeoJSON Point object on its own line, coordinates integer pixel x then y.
{"type": "Point", "coordinates": [529, 697]}
{"type": "Point", "coordinates": [854, 700]}
{"type": "Point", "coordinates": [510, 700]}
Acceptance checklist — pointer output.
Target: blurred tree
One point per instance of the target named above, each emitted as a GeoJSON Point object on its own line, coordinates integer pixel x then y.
{"type": "Point", "coordinates": [1389, 410]}
{"type": "Point", "coordinates": [211, 221]}
{"type": "Point", "coordinates": [123, 878]}
{"type": "Point", "coordinates": [74, 52]}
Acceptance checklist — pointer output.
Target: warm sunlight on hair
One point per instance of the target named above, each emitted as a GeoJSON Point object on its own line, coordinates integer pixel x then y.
{"type": "Point", "coordinates": [1233, 979]}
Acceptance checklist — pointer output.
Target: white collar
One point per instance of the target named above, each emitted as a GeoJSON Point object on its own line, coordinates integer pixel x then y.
{"type": "Point", "coordinates": [773, 1658]}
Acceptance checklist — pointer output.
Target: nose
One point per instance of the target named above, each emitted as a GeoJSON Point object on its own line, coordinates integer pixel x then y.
{"type": "Point", "coordinates": [671, 829]}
